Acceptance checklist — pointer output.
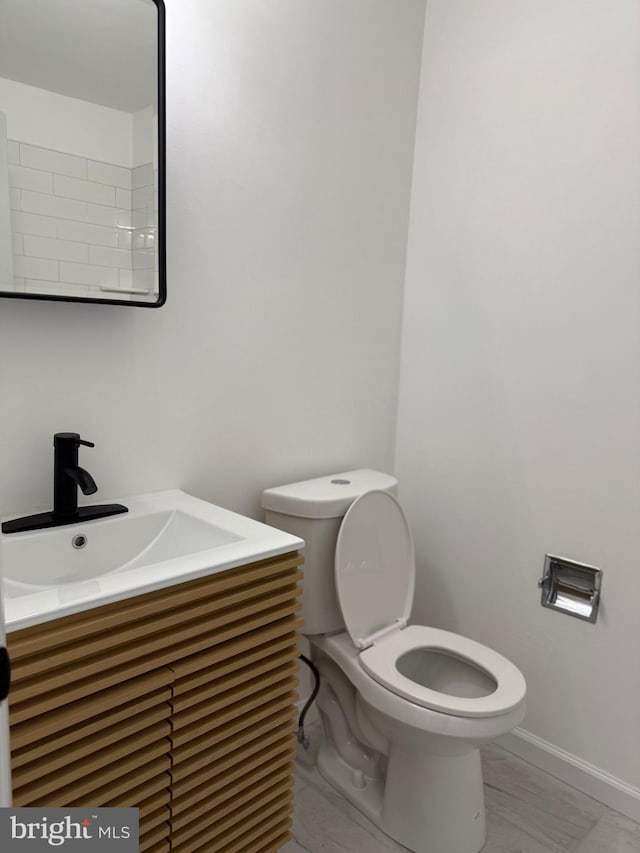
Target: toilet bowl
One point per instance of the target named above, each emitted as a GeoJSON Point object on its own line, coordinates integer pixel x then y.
{"type": "Point", "coordinates": [426, 787]}
{"type": "Point", "coordinates": [404, 708]}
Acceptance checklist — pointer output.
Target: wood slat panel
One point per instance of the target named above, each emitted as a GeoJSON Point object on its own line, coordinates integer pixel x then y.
{"type": "Point", "coordinates": [40, 694]}
{"type": "Point", "coordinates": [265, 837]}
{"type": "Point", "coordinates": [233, 682]}
{"type": "Point", "coordinates": [235, 670]}
{"type": "Point", "coordinates": [247, 797]}
{"type": "Point", "coordinates": [86, 717]}
{"type": "Point", "coordinates": [152, 635]}
{"type": "Point", "coordinates": [274, 840]}
{"type": "Point", "coordinates": [237, 822]}
{"type": "Point", "coordinates": [160, 847]}
{"type": "Point", "coordinates": [154, 836]}
{"type": "Point", "coordinates": [251, 644]}
{"type": "Point", "coordinates": [28, 641]}
{"type": "Point", "coordinates": [189, 741]}
{"type": "Point", "coordinates": [210, 750]}
{"type": "Point", "coordinates": [227, 703]}
{"type": "Point", "coordinates": [150, 804]}
{"type": "Point", "coordinates": [219, 742]}
{"type": "Point", "coordinates": [153, 819]}
{"type": "Point", "coordinates": [192, 719]}
{"type": "Point", "coordinates": [115, 741]}
{"type": "Point", "coordinates": [143, 791]}
{"type": "Point", "coordinates": [27, 701]}
{"type": "Point", "coordinates": [132, 787]}
{"type": "Point", "coordinates": [251, 779]}
{"type": "Point", "coordinates": [191, 775]}
{"type": "Point", "coordinates": [270, 834]}
{"type": "Point", "coordinates": [261, 840]}
{"type": "Point", "coordinates": [45, 775]}
{"type": "Point", "coordinates": [99, 789]}
{"type": "Point", "coordinates": [154, 827]}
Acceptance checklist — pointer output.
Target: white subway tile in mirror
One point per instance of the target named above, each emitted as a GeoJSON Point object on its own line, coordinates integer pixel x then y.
{"type": "Point", "coordinates": [73, 221]}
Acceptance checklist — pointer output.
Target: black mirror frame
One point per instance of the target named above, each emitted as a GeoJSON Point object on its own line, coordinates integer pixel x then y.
{"type": "Point", "coordinates": [162, 216]}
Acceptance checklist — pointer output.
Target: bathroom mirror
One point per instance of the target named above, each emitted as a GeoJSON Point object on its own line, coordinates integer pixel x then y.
{"type": "Point", "coordinates": [82, 152]}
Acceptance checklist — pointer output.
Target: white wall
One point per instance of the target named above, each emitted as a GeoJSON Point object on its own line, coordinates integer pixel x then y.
{"type": "Point", "coordinates": [519, 422]}
{"type": "Point", "coordinates": [6, 252]}
{"type": "Point", "coordinates": [67, 124]}
{"type": "Point", "coordinates": [290, 140]}
{"type": "Point", "coordinates": [144, 144]}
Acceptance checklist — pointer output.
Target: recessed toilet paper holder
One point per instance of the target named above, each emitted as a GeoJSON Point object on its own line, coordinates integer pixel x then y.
{"type": "Point", "coordinates": [571, 587]}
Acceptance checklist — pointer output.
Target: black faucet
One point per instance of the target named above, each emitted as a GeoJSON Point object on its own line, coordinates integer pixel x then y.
{"type": "Point", "coordinates": [68, 476]}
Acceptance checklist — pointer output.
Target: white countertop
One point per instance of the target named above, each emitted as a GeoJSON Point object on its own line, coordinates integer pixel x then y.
{"type": "Point", "coordinates": [31, 604]}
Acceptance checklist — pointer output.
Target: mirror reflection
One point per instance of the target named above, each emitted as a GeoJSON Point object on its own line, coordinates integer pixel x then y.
{"type": "Point", "coordinates": [81, 150]}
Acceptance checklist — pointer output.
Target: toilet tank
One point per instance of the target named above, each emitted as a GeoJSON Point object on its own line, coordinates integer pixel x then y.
{"type": "Point", "coordinates": [313, 510]}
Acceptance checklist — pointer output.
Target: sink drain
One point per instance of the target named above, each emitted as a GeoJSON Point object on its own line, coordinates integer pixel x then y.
{"type": "Point", "coordinates": [79, 541]}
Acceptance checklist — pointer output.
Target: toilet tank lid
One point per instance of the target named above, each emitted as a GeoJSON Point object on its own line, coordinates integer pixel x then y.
{"type": "Point", "coordinates": [326, 497]}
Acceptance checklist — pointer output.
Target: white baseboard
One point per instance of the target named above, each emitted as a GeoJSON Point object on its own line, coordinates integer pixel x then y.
{"type": "Point", "coordinates": [602, 786]}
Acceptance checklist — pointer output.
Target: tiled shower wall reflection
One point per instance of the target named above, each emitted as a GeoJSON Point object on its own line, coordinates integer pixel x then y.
{"type": "Point", "coordinates": [144, 203]}
{"type": "Point", "coordinates": [81, 227]}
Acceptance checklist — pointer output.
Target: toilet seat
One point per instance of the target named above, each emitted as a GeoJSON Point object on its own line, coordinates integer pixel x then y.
{"type": "Point", "coordinates": [380, 661]}
{"type": "Point", "coordinates": [375, 577]}
{"type": "Point", "coordinates": [375, 567]}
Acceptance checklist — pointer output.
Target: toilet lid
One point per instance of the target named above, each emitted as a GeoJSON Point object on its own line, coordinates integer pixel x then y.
{"type": "Point", "coordinates": [375, 566]}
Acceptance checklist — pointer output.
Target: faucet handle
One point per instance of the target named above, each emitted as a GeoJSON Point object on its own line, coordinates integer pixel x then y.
{"type": "Point", "coordinates": [61, 438]}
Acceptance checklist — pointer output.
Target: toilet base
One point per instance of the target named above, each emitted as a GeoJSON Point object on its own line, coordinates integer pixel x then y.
{"type": "Point", "coordinates": [366, 797]}
{"type": "Point", "coordinates": [428, 803]}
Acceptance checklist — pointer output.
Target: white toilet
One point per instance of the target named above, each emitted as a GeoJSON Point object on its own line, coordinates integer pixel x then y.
{"type": "Point", "coordinates": [404, 708]}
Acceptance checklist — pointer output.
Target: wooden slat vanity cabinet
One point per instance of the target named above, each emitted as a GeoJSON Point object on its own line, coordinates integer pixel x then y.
{"type": "Point", "coordinates": [180, 702]}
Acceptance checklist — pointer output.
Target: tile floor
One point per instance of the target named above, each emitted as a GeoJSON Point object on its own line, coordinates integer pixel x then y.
{"type": "Point", "coordinates": [527, 812]}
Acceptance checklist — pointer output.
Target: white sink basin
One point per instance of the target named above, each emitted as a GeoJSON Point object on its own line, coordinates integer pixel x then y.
{"type": "Point", "coordinates": [165, 538]}
{"type": "Point", "coordinates": [79, 552]}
